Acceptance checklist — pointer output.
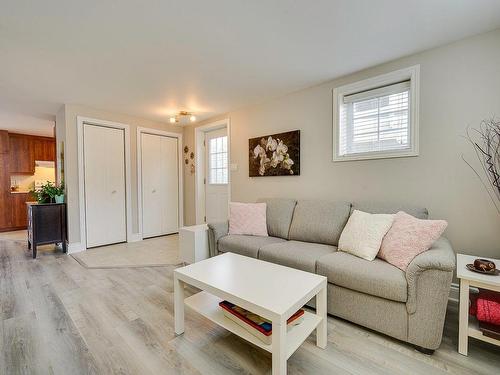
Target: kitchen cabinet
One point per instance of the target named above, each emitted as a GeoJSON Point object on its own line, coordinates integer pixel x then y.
{"type": "Point", "coordinates": [18, 209]}
{"type": "Point", "coordinates": [25, 149]}
{"type": "Point", "coordinates": [4, 191]}
{"type": "Point", "coordinates": [4, 142]}
{"type": "Point", "coordinates": [21, 154]}
{"type": "Point", "coordinates": [18, 153]}
{"type": "Point", "coordinates": [44, 149]}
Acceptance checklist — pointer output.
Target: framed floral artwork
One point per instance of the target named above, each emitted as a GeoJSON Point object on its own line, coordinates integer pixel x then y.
{"type": "Point", "coordinates": [275, 155]}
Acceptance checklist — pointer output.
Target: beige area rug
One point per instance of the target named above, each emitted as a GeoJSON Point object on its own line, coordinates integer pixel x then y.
{"type": "Point", "coordinates": [15, 236]}
{"type": "Point", "coordinates": [153, 252]}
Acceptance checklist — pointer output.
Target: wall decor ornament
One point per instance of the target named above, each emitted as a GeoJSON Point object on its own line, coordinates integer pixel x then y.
{"type": "Point", "coordinates": [191, 155]}
{"type": "Point", "coordinates": [186, 149]}
{"type": "Point", "coordinates": [275, 155]}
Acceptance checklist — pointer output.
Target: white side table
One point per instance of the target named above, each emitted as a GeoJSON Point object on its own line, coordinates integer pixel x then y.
{"type": "Point", "coordinates": [193, 243]}
{"type": "Point", "coordinates": [469, 327]}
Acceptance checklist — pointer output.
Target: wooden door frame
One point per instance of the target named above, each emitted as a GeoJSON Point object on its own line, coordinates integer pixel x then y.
{"type": "Point", "coordinates": [140, 131]}
{"type": "Point", "coordinates": [200, 175]}
{"type": "Point", "coordinates": [81, 121]}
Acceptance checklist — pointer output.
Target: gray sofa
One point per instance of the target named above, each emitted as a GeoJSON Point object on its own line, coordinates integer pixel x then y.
{"type": "Point", "coordinates": [409, 306]}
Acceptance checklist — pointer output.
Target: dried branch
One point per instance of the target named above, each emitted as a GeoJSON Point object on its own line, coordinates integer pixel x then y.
{"type": "Point", "coordinates": [486, 143]}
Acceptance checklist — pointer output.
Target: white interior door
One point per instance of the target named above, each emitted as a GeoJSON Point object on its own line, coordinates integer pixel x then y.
{"type": "Point", "coordinates": [105, 192]}
{"type": "Point", "coordinates": [217, 176]}
{"type": "Point", "coordinates": [160, 185]}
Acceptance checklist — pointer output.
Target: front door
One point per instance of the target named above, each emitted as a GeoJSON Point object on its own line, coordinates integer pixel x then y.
{"type": "Point", "coordinates": [217, 176]}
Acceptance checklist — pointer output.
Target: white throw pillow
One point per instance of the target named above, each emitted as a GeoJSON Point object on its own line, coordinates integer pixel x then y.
{"type": "Point", "coordinates": [247, 218]}
{"type": "Point", "coordinates": [363, 234]}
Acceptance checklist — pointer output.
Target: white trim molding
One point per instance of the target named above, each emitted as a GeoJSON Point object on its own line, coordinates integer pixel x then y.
{"type": "Point", "coordinates": [80, 121]}
{"type": "Point", "coordinates": [413, 74]}
{"type": "Point", "coordinates": [75, 247]}
{"type": "Point", "coordinates": [142, 130]}
{"type": "Point", "coordinates": [199, 186]}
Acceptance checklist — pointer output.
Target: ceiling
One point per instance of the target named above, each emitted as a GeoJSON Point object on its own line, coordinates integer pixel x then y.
{"type": "Point", "coordinates": [153, 58]}
{"type": "Point", "coordinates": [25, 124]}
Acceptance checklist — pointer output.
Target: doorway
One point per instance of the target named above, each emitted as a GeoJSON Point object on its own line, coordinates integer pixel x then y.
{"type": "Point", "coordinates": [213, 177]}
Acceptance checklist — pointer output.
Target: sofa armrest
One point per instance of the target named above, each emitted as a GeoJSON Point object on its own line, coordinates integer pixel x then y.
{"type": "Point", "coordinates": [440, 257]}
{"type": "Point", "coordinates": [215, 232]}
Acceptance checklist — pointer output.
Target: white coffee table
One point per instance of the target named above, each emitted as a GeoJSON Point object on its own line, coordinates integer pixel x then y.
{"type": "Point", "coordinates": [468, 327]}
{"type": "Point", "coordinates": [274, 292]}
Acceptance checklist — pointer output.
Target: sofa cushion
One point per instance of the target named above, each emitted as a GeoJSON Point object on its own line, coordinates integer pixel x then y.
{"type": "Point", "coordinates": [247, 218]}
{"type": "Point", "coordinates": [245, 245]}
{"type": "Point", "coordinates": [295, 254]}
{"type": "Point", "coordinates": [363, 234]}
{"type": "Point", "coordinates": [319, 221]}
{"type": "Point", "coordinates": [376, 277]}
{"type": "Point", "coordinates": [279, 215]}
{"type": "Point", "coordinates": [389, 208]}
{"type": "Point", "coordinates": [409, 237]}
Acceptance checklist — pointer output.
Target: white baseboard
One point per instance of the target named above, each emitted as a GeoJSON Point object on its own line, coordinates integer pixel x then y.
{"type": "Point", "coordinates": [75, 247]}
{"type": "Point", "coordinates": [454, 293]}
{"type": "Point", "coordinates": [135, 237]}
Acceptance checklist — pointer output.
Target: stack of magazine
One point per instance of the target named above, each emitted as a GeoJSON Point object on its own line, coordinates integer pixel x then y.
{"type": "Point", "coordinates": [255, 324]}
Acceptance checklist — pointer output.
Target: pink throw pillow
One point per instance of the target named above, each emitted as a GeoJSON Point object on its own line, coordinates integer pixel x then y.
{"type": "Point", "coordinates": [247, 218]}
{"type": "Point", "coordinates": [409, 237]}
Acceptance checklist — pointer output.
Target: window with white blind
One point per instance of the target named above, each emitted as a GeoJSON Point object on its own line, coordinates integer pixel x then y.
{"type": "Point", "coordinates": [217, 161]}
{"type": "Point", "coordinates": [377, 118]}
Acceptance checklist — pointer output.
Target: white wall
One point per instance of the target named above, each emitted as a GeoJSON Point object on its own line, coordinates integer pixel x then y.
{"type": "Point", "coordinates": [460, 86]}
{"type": "Point", "coordinates": [66, 127]}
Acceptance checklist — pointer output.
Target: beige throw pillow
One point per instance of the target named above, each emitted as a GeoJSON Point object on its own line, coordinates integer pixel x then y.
{"type": "Point", "coordinates": [363, 234]}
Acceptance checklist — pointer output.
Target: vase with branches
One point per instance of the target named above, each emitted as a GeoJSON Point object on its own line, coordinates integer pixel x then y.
{"type": "Point", "coordinates": [486, 143]}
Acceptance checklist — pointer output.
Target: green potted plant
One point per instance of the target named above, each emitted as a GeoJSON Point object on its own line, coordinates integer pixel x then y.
{"type": "Point", "coordinates": [49, 193]}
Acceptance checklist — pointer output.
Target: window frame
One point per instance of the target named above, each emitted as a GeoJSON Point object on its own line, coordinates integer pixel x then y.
{"type": "Point", "coordinates": [209, 163]}
{"type": "Point", "coordinates": [413, 75]}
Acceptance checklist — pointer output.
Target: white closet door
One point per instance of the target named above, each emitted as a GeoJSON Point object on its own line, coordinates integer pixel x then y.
{"type": "Point", "coordinates": [169, 148]}
{"type": "Point", "coordinates": [105, 202]}
{"type": "Point", "coordinates": [160, 185]}
{"type": "Point", "coordinates": [151, 185]}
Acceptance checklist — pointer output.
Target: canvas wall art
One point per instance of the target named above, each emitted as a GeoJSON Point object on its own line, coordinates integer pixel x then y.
{"type": "Point", "coordinates": [275, 155]}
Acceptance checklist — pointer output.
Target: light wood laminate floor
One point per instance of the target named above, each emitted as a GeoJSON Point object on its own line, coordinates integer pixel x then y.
{"type": "Point", "coordinates": [57, 317]}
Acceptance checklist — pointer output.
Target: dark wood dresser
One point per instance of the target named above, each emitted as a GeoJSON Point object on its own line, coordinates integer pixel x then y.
{"type": "Point", "coordinates": [46, 225]}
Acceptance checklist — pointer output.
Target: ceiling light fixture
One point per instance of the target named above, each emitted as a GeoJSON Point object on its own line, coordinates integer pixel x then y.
{"type": "Point", "coordinates": [181, 115]}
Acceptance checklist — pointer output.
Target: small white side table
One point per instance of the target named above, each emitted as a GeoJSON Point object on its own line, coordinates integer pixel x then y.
{"type": "Point", "coordinates": [193, 243]}
{"type": "Point", "coordinates": [469, 327]}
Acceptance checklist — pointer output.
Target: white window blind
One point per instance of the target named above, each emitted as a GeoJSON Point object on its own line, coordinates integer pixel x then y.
{"type": "Point", "coordinates": [376, 120]}
{"type": "Point", "coordinates": [217, 161]}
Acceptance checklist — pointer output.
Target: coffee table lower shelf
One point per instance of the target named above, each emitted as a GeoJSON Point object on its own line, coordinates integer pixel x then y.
{"type": "Point", "coordinates": [475, 332]}
{"type": "Point", "coordinates": [207, 305]}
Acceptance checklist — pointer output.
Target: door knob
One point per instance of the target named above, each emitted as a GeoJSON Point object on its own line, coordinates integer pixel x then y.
{"type": "Point", "coordinates": [153, 191]}
{"type": "Point", "coordinates": [113, 192]}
